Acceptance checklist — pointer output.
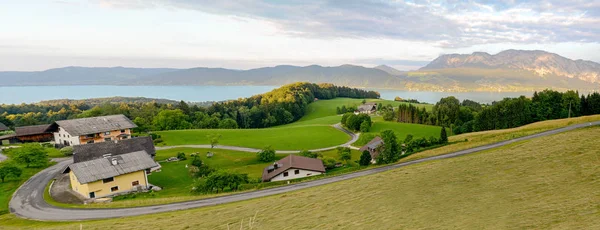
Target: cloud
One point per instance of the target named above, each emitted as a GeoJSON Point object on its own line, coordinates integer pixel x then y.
{"type": "Point", "coordinates": [447, 24]}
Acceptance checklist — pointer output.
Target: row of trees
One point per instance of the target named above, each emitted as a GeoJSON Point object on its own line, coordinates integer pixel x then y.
{"type": "Point", "coordinates": [469, 116]}
{"type": "Point", "coordinates": [393, 149]}
{"type": "Point", "coordinates": [360, 122]}
{"type": "Point", "coordinates": [280, 106]}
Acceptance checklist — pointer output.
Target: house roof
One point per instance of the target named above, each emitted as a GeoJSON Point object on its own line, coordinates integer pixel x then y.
{"type": "Point", "coordinates": [3, 127]}
{"type": "Point", "coordinates": [32, 130]}
{"type": "Point", "coordinates": [99, 150]}
{"type": "Point", "coordinates": [91, 125]}
{"type": "Point", "coordinates": [373, 144]}
{"type": "Point", "coordinates": [102, 168]}
{"type": "Point", "coordinates": [7, 136]}
{"type": "Point", "coordinates": [293, 161]}
{"type": "Point", "coordinates": [367, 107]}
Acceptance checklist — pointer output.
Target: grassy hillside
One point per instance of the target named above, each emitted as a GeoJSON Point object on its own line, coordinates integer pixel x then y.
{"type": "Point", "coordinates": [549, 182]}
{"type": "Point", "coordinates": [281, 138]}
{"type": "Point", "coordinates": [325, 108]}
{"type": "Point", "coordinates": [400, 129]}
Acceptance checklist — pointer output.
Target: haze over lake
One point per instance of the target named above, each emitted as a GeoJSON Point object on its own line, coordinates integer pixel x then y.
{"type": "Point", "coordinates": [31, 94]}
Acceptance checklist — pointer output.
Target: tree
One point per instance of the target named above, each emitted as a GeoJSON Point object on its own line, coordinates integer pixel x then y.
{"type": "Point", "coordinates": [363, 101]}
{"type": "Point", "coordinates": [390, 150]}
{"type": "Point", "coordinates": [306, 153]}
{"type": "Point", "coordinates": [181, 156]}
{"type": "Point", "coordinates": [365, 158]}
{"type": "Point", "coordinates": [171, 120]}
{"type": "Point", "coordinates": [197, 161]}
{"type": "Point", "coordinates": [447, 110]}
{"type": "Point", "coordinates": [267, 154]}
{"type": "Point", "coordinates": [214, 139]}
{"type": "Point", "coordinates": [408, 138]}
{"type": "Point", "coordinates": [9, 170]}
{"type": "Point", "coordinates": [228, 123]}
{"type": "Point", "coordinates": [219, 180]}
{"type": "Point", "coordinates": [388, 115]}
{"type": "Point", "coordinates": [443, 136]}
{"type": "Point", "coordinates": [365, 126]}
{"type": "Point", "coordinates": [329, 162]}
{"type": "Point", "coordinates": [344, 153]}
{"type": "Point", "coordinates": [31, 154]}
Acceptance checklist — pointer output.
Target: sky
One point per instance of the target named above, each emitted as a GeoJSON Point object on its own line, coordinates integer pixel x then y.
{"type": "Point", "coordinates": [244, 34]}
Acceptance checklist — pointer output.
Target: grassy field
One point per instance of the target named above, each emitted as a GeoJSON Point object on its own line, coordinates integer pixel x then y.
{"type": "Point", "coordinates": [549, 182]}
{"type": "Point", "coordinates": [400, 129]}
{"type": "Point", "coordinates": [487, 137]}
{"type": "Point", "coordinates": [281, 138]}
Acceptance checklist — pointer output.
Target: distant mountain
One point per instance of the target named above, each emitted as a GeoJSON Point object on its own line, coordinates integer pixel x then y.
{"type": "Point", "coordinates": [79, 76]}
{"type": "Point", "coordinates": [390, 70]}
{"type": "Point", "coordinates": [510, 70]}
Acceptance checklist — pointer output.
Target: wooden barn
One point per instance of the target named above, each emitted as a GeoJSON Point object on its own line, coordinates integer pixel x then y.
{"type": "Point", "coordinates": [33, 133]}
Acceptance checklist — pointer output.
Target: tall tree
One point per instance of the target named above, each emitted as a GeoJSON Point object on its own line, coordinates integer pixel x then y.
{"type": "Point", "coordinates": [390, 150]}
{"type": "Point", "coordinates": [32, 154]}
{"type": "Point", "coordinates": [443, 135]}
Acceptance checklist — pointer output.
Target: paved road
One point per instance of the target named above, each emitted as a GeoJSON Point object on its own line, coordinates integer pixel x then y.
{"type": "Point", "coordinates": [28, 202]}
{"type": "Point", "coordinates": [253, 150]}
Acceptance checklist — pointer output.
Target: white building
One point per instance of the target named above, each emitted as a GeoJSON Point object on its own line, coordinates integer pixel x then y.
{"type": "Point", "coordinates": [293, 167]}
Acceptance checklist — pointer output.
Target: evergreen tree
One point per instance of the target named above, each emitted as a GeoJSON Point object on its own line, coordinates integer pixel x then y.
{"type": "Point", "coordinates": [443, 136]}
{"type": "Point", "coordinates": [365, 158]}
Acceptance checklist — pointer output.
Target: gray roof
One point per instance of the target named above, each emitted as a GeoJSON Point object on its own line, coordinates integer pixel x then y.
{"type": "Point", "coordinates": [102, 168]}
{"type": "Point", "coordinates": [32, 130]}
{"type": "Point", "coordinates": [292, 161]}
{"type": "Point", "coordinates": [367, 107]}
{"type": "Point", "coordinates": [98, 150]}
{"type": "Point", "coordinates": [3, 127]}
{"type": "Point", "coordinates": [91, 125]}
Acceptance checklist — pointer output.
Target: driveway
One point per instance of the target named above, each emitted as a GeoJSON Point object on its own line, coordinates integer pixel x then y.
{"type": "Point", "coordinates": [354, 138]}
{"type": "Point", "coordinates": [28, 202]}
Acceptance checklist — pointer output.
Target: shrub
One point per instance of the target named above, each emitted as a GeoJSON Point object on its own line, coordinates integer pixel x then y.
{"type": "Point", "coordinates": [344, 153]}
{"type": "Point", "coordinates": [220, 180]}
{"type": "Point", "coordinates": [157, 141]}
{"type": "Point", "coordinates": [181, 156]}
{"type": "Point", "coordinates": [47, 145]}
{"type": "Point", "coordinates": [203, 171]}
{"type": "Point", "coordinates": [196, 161]}
{"type": "Point", "coordinates": [443, 136]}
{"type": "Point", "coordinates": [306, 153]}
{"type": "Point", "coordinates": [155, 136]}
{"type": "Point", "coordinates": [67, 151]}
{"type": "Point", "coordinates": [266, 155]}
{"type": "Point", "coordinates": [365, 126]}
{"type": "Point", "coordinates": [329, 162]}
{"type": "Point", "coordinates": [9, 170]}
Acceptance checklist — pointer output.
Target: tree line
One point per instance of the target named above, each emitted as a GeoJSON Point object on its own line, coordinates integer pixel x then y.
{"type": "Point", "coordinates": [470, 116]}
{"type": "Point", "coordinates": [280, 106]}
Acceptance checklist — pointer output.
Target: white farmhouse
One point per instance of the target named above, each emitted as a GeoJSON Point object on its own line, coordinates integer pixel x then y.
{"type": "Point", "coordinates": [293, 167]}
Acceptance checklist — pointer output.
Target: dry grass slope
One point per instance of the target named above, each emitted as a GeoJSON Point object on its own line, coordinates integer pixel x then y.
{"type": "Point", "coordinates": [549, 182]}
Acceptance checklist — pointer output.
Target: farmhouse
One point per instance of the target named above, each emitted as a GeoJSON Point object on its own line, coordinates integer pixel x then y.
{"type": "Point", "coordinates": [111, 168]}
{"type": "Point", "coordinates": [293, 167]}
{"type": "Point", "coordinates": [34, 133]}
{"type": "Point", "coordinates": [367, 108]}
{"type": "Point", "coordinates": [373, 148]}
{"type": "Point", "coordinates": [92, 130]}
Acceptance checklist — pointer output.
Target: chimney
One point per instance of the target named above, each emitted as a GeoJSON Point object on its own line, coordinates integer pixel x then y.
{"type": "Point", "coordinates": [275, 165]}
{"type": "Point", "coordinates": [114, 161]}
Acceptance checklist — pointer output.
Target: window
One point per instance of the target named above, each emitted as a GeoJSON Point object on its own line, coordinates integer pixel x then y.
{"type": "Point", "coordinates": [135, 183]}
{"type": "Point", "coordinates": [124, 137]}
{"type": "Point", "coordinates": [107, 133]}
{"type": "Point", "coordinates": [107, 139]}
{"type": "Point", "coordinates": [114, 189]}
{"type": "Point", "coordinates": [92, 195]}
{"type": "Point", "coordinates": [90, 142]}
{"type": "Point", "coordinates": [108, 180]}
{"type": "Point", "coordinates": [122, 131]}
{"type": "Point", "coordinates": [297, 171]}
{"type": "Point", "coordinates": [285, 174]}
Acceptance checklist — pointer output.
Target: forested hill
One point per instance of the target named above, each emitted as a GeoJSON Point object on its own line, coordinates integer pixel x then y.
{"type": "Point", "coordinates": [280, 106]}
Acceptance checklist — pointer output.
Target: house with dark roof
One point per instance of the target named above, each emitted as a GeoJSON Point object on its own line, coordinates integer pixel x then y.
{"type": "Point", "coordinates": [112, 168]}
{"type": "Point", "coordinates": [33, 133]}
{"type": "Point", "coordinates": [113, 148]}
{"type": "Point", "coordinates": [293, 167]}
{"type": "Point", "coordinates": [92, 130]}
{"type": "Point", "coordinates": [373, 148]}
{"type": "Point", "coordinates": [367, 108]}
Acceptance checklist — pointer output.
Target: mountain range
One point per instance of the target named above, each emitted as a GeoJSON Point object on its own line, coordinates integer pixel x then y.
{"type": "Point", "coordinates": [510, 70]}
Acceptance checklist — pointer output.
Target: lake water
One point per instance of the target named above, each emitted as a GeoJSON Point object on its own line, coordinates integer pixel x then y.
{"type": "Point", "coordinates": [30, 94]}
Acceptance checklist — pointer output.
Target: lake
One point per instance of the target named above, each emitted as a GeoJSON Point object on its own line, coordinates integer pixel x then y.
{"type": "Point", "coordinates": [30, 94]}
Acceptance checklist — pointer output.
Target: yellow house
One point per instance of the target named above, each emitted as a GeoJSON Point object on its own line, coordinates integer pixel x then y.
{"type": "Point", "coordinates": [111, 175]}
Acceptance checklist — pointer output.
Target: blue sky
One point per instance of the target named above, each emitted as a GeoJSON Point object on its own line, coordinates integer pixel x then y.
{"type": "Point", "coordinates": [38, 35]}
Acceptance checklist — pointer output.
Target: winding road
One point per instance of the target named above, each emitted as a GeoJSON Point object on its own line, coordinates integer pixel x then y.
{"type": "Point", "coordinates": [28, 201]}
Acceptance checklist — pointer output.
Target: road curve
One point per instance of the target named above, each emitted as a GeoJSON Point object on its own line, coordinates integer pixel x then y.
{"type": "Point", "coordinates": [28, 202]}
{"type": "Point", "coordinates": [354, 138]}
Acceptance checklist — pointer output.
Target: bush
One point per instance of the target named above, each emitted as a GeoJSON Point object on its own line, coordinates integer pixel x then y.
{"type": "Point", "coordinates": [67, 151]}
{"type": "Point", "coordinates": [306, 153]}
{"type": "Point", "coordinates": [329, 163]}
{"type": "Point", "coordinates": [181, 156]}
{"type": "Point", "coordinates": [204, 170]}
{"type": "Point", "coordinates": [266, 155]}
{"type": "Point", "coordinates": [365, 126]}
{"type": "Point", "coordinates": [155, 136]}
{"type": "Point", "coordinates": [156, 141]}
{"type": "Point", "coordinates": [196, 161]}
{"type": "Point", "coordinates": [47, 145]}
{"type": "Point", "coordinates": [219, 181]}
